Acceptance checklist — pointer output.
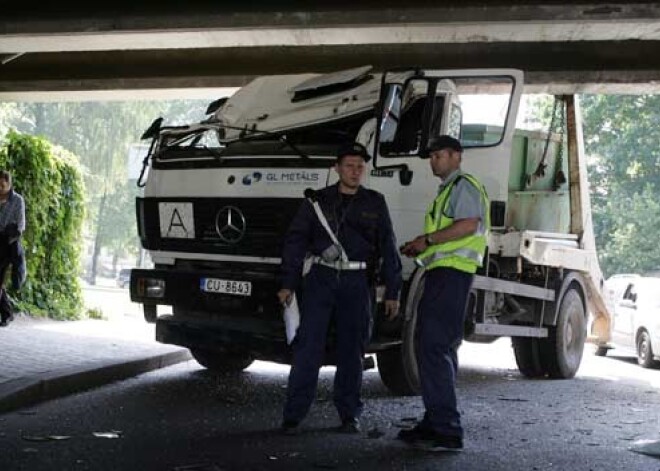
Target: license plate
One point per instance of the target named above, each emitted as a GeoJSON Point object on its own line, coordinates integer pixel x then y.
{"type": "Point", "coordinates": [217, 285]}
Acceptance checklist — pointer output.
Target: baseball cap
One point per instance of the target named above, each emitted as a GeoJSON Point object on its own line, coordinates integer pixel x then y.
{"type": "Point", "coordinates": [444, 142]}
{"type": "Point", "coordinates": [354, 148]}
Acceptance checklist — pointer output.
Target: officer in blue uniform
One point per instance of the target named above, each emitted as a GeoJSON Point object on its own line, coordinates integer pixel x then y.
{"type": "Point", "coordinates": [337, 289]}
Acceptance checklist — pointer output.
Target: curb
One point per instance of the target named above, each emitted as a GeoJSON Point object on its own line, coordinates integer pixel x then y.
{"type": "Point", "coordinates": [24, 392]}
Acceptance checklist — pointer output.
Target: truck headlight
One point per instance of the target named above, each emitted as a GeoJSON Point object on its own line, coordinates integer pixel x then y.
{"type": "Point", "coordinates": [151, 287]}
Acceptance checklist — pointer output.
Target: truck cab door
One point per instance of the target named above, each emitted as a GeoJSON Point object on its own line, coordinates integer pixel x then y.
{"type": "Point", "coordinates": [479, 107]}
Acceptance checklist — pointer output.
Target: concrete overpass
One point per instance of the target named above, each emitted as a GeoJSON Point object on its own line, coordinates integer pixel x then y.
{"type": "Point", "coordinates": [562, 46]}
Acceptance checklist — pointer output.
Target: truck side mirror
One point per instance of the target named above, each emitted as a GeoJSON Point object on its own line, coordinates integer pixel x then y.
{"type": "Point", "coordinates": [405, 176]}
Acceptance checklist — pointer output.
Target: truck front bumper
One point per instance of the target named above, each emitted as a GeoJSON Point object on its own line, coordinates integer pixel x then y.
{"type": "Point", "coordinates": [181, 289]}
{"type": "Point", "coordinates": [266, 343]}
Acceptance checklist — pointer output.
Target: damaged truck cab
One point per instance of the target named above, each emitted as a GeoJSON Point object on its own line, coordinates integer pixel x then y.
{"type": "Point", "coordinates": [220, 194]}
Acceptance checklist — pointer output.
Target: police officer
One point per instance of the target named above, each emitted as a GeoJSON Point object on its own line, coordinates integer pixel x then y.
{"type": "Point", "coordinates": [338, 288]}
{"type": "Point", "coordinates": [451, 249]}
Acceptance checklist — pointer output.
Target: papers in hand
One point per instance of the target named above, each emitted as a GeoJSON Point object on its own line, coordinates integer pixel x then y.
{"type": "Point", "coordinates": [291, 316]}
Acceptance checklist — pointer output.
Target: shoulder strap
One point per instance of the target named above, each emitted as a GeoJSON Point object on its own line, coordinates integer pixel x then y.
{"type": "Point", "coordinates": [326, 226]}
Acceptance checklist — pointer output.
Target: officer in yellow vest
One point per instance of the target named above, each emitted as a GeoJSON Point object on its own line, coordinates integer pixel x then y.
{"type": "Point", "coordinates": [451, 249]}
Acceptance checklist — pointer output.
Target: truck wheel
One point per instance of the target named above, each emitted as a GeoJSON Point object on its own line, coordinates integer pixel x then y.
{"type": "Point", "coordinates": [645, 351]}
{"type": "Point", "coordinates": [393, 372]}
{"type": "Point", "coordinates": [398, 366]}
{"type": "Point", "coordinates": [561, 352]}
{"type": "Point", "coordinates": [221, 362]}
{"type": "Point", "coordinates": [527, 351]}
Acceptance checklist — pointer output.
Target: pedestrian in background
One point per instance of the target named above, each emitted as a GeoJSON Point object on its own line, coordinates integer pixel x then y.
{"type": "Point", "coordinates": [338, 289]}
{"type": "Point", "coordinates": [12, 225]}
{"type": "Point", "coordinates": [451, 249]}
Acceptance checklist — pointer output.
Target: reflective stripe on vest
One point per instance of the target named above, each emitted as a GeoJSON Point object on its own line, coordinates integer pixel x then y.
{"type": "Point", "coordinates": [464, 254]}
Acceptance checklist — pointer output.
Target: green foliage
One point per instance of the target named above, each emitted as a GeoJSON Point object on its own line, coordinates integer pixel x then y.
{"type": "Point", "coordinates": [631, 246]}
{"type": "Point", "coordinates": [96, 314]}
{"type": "Point", "coordinates": [117, 227]}
{"type": "Point", "coordinates": [622, 139]}
{"type": "Point", "coordinates": [536, 112]}
{"type": "Point", "coordinates": [50, 181]}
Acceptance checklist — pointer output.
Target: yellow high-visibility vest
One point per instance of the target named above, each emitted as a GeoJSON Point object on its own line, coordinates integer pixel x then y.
{"type": "Point", "coordinates": [465, 254]}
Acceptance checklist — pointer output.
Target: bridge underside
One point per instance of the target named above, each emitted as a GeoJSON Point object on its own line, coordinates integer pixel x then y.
{"type": "Point", "coordinates": [563, 48]}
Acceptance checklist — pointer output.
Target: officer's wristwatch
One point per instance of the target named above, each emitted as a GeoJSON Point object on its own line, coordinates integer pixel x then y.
{"type": "Point", "coordinates": [427, 239]}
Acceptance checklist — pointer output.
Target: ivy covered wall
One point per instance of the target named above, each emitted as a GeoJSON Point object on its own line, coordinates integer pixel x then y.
{"type": "Point", "coordinates": [50, 180]}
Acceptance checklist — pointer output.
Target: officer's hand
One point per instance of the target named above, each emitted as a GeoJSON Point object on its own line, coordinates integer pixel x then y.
{"type": "Point", "coordinates": [414, 247]}
{"type": "Point", "coordinates": [285, 296]}
{"type": "Point", "coordinates": [391, 309]}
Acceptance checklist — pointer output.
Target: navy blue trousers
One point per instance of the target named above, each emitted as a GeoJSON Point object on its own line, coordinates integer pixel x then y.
{"type": "Point", "coordinates": [441, 315]}
{"type": "Point", "coordinates": [343, 298]}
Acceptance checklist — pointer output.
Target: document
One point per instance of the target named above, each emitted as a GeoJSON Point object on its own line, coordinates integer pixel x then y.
{"type": "Point", "coordinates": [291, 316]}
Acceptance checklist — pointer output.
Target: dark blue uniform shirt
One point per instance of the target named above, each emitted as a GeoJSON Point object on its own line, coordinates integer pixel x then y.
{"type": "Point", "coordinates": [365, 232]}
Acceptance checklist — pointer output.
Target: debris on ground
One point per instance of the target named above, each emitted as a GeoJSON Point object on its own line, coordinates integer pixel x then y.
{"type": "Point", "coordinates": [512, 399]}
{"type": "Point", "coordinates": [647, 447]}
{"type": "Point", "coordinates": [44, 438]}
{"type": "Point", "coordinates": [111, 434]}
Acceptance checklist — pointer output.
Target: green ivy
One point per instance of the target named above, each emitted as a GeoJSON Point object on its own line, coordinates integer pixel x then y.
{"type": "Point", "coordinates": [50, 180]}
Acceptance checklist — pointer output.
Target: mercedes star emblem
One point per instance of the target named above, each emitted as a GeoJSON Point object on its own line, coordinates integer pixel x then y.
{"type": "Point", "coordinates": [230, 224]}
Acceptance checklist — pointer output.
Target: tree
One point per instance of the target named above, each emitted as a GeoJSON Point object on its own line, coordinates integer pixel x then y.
{"type": "Point", "coordinates": [118, 225]}
{"type": "Point", "coordinates": [623, 140]}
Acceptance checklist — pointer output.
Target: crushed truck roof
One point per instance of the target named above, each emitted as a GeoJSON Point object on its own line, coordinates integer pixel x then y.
{"type": "Point", "coordinates": [284, 102]}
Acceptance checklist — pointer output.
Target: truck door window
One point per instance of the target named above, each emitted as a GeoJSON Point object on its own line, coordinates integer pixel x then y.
{"type": "Point", "coordinates": [403, 116]}
{"type": "Point", "coordinates": [391, 112]}
{"type": "Point", "coordinates": [484, 103]}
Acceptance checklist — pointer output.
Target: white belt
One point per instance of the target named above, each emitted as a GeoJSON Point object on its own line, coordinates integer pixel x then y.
{"type": "Point", "coordinates": [341, 265]}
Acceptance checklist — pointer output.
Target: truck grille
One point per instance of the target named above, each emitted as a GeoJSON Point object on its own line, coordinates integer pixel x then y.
{"type": "Point", "coordinates": [266, 220]}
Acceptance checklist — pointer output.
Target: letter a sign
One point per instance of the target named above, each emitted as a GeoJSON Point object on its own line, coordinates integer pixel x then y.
{"type": "Point", "coordinates": [176, 220]}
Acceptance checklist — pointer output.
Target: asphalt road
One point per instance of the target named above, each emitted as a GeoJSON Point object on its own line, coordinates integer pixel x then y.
{"type": "Point", "coordinates": [183, 418]}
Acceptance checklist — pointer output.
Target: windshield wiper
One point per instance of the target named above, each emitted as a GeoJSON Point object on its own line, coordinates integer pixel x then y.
{"type": "Point", "coordinates": [279, 136]}
{"type": "Point", "coordinates": [213, 152]}
{"type": "Point", "coordinates": [243, 131]}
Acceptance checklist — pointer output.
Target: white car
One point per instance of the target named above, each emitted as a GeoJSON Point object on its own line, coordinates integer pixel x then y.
{"type": "Point", "coordinates": [635, 304]}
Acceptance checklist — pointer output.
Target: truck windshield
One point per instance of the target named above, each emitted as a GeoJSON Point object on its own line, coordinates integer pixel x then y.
{"type": "Point", "coordinates": [206, 144]}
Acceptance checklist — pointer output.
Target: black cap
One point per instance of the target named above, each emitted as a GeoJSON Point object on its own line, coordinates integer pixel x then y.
{"type": "Point", "coordinates": [444, 142]}
{"type": "Point", "coordinates": [354, 148]}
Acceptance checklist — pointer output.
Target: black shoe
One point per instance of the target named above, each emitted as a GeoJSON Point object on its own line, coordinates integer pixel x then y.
{"type": "Point", "coordinates": [289, 427]}
{"type": "Point", "coordinates": [435, 441]}
{"type": "Point", "coordinates": [349, 426]}
{"type": "Point", "coordinates": [5, 322]}
{"type": "Point", "coordinates": [418, 432]}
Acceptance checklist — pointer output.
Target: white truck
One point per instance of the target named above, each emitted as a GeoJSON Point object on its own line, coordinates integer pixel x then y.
{"type": "Point", "coordinates": [219, 196]}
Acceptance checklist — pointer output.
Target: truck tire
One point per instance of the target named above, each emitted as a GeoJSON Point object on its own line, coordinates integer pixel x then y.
{"type": "Point", "coordinates": [221, 362]}
{"type": "Point", "coordinates": [561, 352]}
{"type": "Point", "coordinates": [645, 351]}
{"type": "Point", "coordinates": [527, 351]}
{"type": "Point", "coordinates": [398, 366]}
{"type": "Point", "coordinates": [393, 372]}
